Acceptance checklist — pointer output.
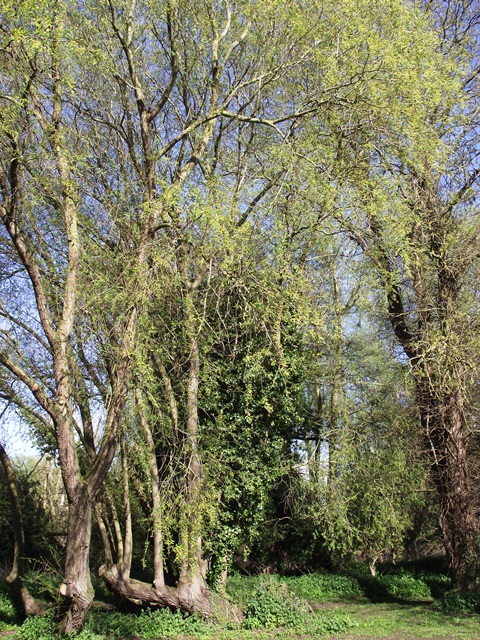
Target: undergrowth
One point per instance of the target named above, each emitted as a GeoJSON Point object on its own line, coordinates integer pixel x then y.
{"type": "Point", "coordinates": [148, 624]}
{"type": "Point", "coordinates": [324, 586]}
{"type": "Point", "coordinates": [8, 614]}
{"type": "Point", "coordinates": [458, 602]}
{"type": "Point", "coordinates": [276, 607]}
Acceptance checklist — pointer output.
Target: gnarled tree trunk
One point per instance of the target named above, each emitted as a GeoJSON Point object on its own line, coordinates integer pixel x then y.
{"type": "Point", "coordinates": [76, 587]}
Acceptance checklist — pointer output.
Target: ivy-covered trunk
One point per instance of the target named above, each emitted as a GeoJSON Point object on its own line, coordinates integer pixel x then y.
{"type": "Point", "coordinates": [445, 431]}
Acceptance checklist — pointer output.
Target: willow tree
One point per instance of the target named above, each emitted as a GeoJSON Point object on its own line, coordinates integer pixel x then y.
{"type": "Point", "coordinates": [41, 211]}
{"type": "Point", "coordinates": [211, 116]}
{"type": "Point", "coordinates": [196, 118]}
{"type": "Point", "coordinates": [116, 120]}
{"type": "Point", "coordinates": [414, 190]}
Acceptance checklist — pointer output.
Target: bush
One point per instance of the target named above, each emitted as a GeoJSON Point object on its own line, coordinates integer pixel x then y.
{"type": "Point", "coordinates": [405, 585]}
{"type": "Point", "coordinates": [334, 623]}
{"type": "Point", "coordinates": [322, 586]}
{"type": "Point", "coordinates": [272, 606]}
{"type": "Point", "coordinates": [8, 614]}
{"type": "Point", "coordinates": [43, 584]}
{"type": "Point", "coordinates": [38, 628]}
{"type": "Point", "coordinates": [459, 602]}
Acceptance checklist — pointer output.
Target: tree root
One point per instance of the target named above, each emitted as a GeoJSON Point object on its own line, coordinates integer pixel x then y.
{"type": "Point", "coordinates": [203, 602]}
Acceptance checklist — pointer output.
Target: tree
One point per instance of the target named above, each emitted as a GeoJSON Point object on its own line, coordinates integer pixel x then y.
{"type": "Point", "coordinates": [40, 212]}
{"type": "Point", "coordinates": [144, 147]}
{"type": "Point", "coordinates": [417, 197]}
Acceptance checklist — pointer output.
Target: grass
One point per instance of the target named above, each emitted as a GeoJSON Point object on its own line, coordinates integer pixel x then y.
{"type": "Point", "coordinates": [397, 605]}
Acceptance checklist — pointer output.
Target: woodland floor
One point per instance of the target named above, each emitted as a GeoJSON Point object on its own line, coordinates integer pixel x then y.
{"type": "Point", "coordinates": [340, 608]}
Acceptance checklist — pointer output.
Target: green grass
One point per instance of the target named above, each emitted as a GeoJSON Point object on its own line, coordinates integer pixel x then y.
{"type": "Point", "coordinates": [397, 605]}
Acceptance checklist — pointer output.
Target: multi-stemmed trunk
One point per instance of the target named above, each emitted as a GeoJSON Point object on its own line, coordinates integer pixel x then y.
{"type": "Point", "coordinates": [191, 593]}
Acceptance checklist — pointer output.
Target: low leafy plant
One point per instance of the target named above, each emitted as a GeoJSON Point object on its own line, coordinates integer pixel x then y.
{"type": "Point", "coordinates": [323, 586]}
{"type": "Point", "coordinates": [8, 614]}
{"type": "Point", "coordinates": [438, 583]}
{"type": "Point", "coordinates": [148, 624]}
{"type": "Point", "coordinates": [272, 606]}
{"type": "Point", "coordinates": [85, 634]}
{"type": "Point", "coordinates": [405, 585]}
{"type": "Point", "coordinates": [163, 622]}
{"type": "Point", "coordinates": [334, 623]}
{"type": "Point", "coordinates": [459, 602]}
{"type": "Point", "coordinates": [38, 628]}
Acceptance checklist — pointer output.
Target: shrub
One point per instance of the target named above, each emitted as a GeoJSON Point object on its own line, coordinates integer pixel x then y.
{"type": "Point", "coordinates": [8, 614]}
{"type": "Point", "coordinates": [459, 602]}
{"type": "Point", "coordinates": [405, 585]}
{"type": "Point", "coordinates": [334, 623]}
{"type": "Point", "coordinates": [438, 583]}
{"type": "Point", "coordinates": [272, 606]}
{"type": "Point", "coordinates": [38, 628]}
{"type": "Point", "coordinates": [321, 586]}
{"type": "Point", "coordinates": [43, 584]}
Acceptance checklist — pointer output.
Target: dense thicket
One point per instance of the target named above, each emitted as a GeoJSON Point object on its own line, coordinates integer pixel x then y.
{"type": "Point", "coordinates": [238, 258]}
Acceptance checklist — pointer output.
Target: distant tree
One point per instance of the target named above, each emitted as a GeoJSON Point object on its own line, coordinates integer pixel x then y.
{"type": "Point", "coordinates": [25, 602]}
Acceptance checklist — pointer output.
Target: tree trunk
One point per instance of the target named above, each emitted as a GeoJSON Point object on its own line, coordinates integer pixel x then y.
{"type": "Point", "coordinates": [192, 582]}
{"type": "Point", "coordinates": [206, 604]}
{"type": "Point", "coordinates": [158, 572]}
{"type": "Point", "coordinates": [445, 429]}
{"type": "Point", "coordinates": [76, 587]}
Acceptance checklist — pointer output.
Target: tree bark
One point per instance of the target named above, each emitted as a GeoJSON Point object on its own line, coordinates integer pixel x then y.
{"type": "Point", "coordinates": [192, 582]}
{"type": "Point", "coordinates": [206, 604]}
{"type": "Point", "coordinates": [445, 431]}
{"type": "Point", "coordinates": [76, 587]}
{"type": "Point", "coordinates": [158, 572]}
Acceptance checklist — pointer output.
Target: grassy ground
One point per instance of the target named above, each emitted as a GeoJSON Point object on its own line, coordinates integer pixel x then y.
{"type": "Point", "coordinates": [395, 606]}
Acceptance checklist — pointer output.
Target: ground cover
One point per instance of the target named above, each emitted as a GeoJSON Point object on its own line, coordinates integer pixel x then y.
{"type": "Point", "coordinates": [398, 605]}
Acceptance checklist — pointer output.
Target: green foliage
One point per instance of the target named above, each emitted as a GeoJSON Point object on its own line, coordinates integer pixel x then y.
{"type": "Point", "coordinates": [370, 504]}
{"type": "Point", "coordinates": [274, 603]}
{"type": "Point", "coordinates": [8, 613]}
{"type": "Point", "coordinates": [148, 624]}
{"type": "Point", "coordinates": [333, 623]}
{"type": "Point", "coordinates": [36, 520]}
{"type": "Point", "coordinates": [324, 586]}
{"type": "Point", "coordinates": [43, 584]}
{"type": "Point", "coordinates": [272, 606]}
{"type": "Point", "coordinates": [405, 586]}
{"type": "Point", "coordinates": [459, 602]}
{"type": "Point", "coordinates": [38, 628]}
{"type": "Point", "coordinates": [438, 583]}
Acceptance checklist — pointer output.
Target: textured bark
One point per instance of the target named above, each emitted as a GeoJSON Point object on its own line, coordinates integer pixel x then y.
{"type": "Point", "coordinates": [76, 587]}
{"type": "Point", "coordinates": [445, 432]}
{"type": "Point", "coordinates": [431, 336]}
{"type": "Point", "coordinates": [203, 602]}
{"type": "Point", "coordinates": [192, 583]}
{"type": "Point", "coordinates": [158, 572]}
